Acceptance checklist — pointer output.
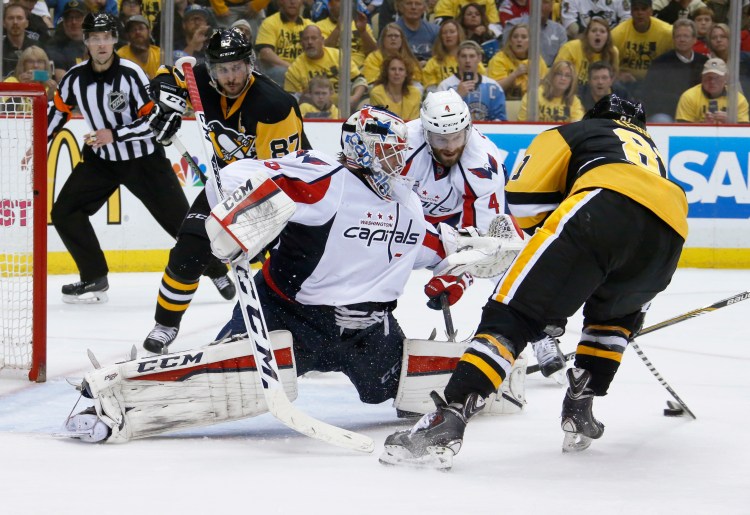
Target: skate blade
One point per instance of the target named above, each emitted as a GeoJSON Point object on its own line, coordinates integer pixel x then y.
{"type": "Point", "coordinates": [559, 377]}
{"type": "Point", "coordinates": [99, 297]}
{"type": "Point", "coordinates": [575, 442]}
{"type": "Point", "coordinates": [437, 458]}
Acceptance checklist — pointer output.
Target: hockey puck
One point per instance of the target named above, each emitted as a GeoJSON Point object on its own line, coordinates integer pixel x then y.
{"type": "Point", "coordinates": [673, 410]}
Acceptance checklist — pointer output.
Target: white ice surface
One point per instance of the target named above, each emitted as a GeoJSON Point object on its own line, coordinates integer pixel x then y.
{"type": "Point", "coordinates": [645, 463]}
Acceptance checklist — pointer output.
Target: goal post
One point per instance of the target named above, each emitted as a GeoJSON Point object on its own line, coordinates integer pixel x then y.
{"type": "Point", "coordinates": [23, 228]}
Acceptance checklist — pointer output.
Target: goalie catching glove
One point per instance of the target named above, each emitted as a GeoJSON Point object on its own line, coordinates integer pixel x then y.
{"type": "Point", "coordinates": [250, 218]}
{"type": "Point", "coordinates": [468, 251]}
{"type": "Point", "coordinates": [449, 285]}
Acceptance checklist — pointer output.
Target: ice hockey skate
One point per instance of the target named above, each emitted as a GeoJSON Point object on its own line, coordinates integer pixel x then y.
{"type": "Point", "coordinates": [160, 337]}
{"type": "Point", "coordinates": [578, 420]}
{"type": "Point", "coordinates": [225, 286]}
{"type": "Point", "coordinates": [86, 292]}
{"type": "Point", "coordinates": [86, 426]}
{"type": "Point", "coordinates": [550, 357]}
{"type": "Point", "coordinates": [435, 439]}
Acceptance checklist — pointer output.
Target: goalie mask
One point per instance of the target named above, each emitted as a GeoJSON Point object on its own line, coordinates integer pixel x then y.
{"type": "Point", "coordinates": [230, 59]}
{"type": "Point", "coordinates": [446, 121]}
{"type": "Point", "coordinates": [374, 142]}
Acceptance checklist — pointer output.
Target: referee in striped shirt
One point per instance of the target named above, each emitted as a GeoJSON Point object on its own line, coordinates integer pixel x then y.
{"type": "Point", "coordinates": [113, 96]}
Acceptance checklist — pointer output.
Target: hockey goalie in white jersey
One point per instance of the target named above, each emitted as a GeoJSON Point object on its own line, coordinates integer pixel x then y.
{"type": "Point", "coordinates": [345, 232]}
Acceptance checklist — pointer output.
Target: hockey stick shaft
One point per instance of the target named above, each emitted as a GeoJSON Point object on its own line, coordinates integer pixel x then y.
{"type": "Point", "coordinates": [446, 307]}
{"type": "Point", "coordinates": [659, 377]}
{"type": "Point", "coordinates": [252, 314]}
{"type": "Point", "coordinates": [672, 321]}
{"type": "Point", "coordinates": [186, 155]}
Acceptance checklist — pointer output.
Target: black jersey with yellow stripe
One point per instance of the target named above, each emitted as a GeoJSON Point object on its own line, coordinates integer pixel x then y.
{"type": "Point", "coordinates": [263, 122]}
{"type": "Point", "coordinates": [597, 153]}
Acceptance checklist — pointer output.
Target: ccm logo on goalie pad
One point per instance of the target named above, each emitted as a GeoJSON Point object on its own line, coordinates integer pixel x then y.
{"type": "Point", "coordinates": [169, 362]}
{"type": "Point", "coordinates": [245, 198]}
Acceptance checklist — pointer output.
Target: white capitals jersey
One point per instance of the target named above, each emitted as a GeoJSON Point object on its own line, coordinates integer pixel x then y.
{"type": "Point", "coordinates": [344, 244]}
{"type": "Point", "coordinates": [470, 193]}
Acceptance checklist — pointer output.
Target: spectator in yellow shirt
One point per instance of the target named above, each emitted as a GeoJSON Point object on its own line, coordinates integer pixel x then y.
{"type": "Point", "coordinates": [363, 41]}
{"type": "Point", "coordinates": [278, 42]}
{"type": "Point", "coordinates": [139, 48]}
{"type": "Point", "coordinates": [392, 41]}
{"type": "Point", "coordinates": [446, 9]}
{"type": "Point", "coordinates": [707, 102]}
{"type": "Point", "coordinates": [318, 60]}
{"type": "Point", "coordinates": [640, 40]}
{"type": "Point", "coordinates": [594, 44]}
{"type": "Point", "coordinates": [32, 67]}
{"type": "Point", "coordinates": [318, 101]}
{"type": "Point", "coordinates": [556, 97]}
{"type": "Point", "coordinates": [510, 66]}
{"type": "Point", "coordinates": [443, 62]}
{"type": "Point", "coordinates": [393, 89]}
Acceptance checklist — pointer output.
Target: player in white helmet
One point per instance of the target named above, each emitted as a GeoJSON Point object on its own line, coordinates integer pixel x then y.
{"type": "Point", "coordinates": [459, 176]}
{"type": "Point", "coordinates": [458, 173]}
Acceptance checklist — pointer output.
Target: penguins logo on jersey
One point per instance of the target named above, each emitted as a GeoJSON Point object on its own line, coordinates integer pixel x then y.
{"type": "Point", "coordinates": [116, 101]}
{"type": "Point", "coordinates": [229, 144]}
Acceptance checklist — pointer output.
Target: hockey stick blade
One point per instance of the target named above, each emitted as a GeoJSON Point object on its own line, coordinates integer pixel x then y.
{"type": "Point", "coordinates": [252, 314]}
{"type": "Point", "coordinates": [281, 408]}
{"type": "Point", "coordinates": [674, 320]}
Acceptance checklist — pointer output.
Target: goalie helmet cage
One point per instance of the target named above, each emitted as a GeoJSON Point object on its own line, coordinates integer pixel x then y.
{"type": "Point", "coordinates": [23, 228]}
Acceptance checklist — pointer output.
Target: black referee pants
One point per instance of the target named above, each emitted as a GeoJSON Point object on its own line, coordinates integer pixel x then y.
{"type": "Point", "coordinates": [149, 178]}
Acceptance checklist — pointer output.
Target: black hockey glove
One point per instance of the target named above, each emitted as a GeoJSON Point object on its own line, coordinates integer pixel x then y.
{"type": "Point", "coordinates": [164, 124]}
{"type": "Point", "coordinates": [168, 95]}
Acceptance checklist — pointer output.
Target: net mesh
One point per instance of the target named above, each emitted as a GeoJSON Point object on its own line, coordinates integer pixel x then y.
{"type": "Point", "coordinates": [16, 232]}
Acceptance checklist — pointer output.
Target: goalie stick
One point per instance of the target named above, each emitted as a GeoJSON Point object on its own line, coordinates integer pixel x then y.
{"type": "Point", "coordinates": [252, 313]}
{"type": "Point", "coordinates": [674, 320]}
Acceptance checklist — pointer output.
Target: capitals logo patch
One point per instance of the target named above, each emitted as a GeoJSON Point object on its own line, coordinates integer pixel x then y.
{"type": "Point", "coordinates": [488, 170]}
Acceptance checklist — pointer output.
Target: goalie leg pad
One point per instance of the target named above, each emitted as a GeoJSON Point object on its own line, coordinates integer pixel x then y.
{"type": "Point", "coordinates": [428, 364]}
{"type": "Point", "coordinates": [211, 384]}
{"type": "Point", "coordinates": [250, 218]}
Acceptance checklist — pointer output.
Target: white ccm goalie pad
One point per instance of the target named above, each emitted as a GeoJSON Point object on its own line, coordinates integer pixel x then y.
{"type": "Point", "coordinates": [249, 218]}
{"type": "Point", "coordinates": [155, 394]}
{"type": "Point", "coordinates": [427, 365]}
{"type": "Point", "coordinates": [483, 256]}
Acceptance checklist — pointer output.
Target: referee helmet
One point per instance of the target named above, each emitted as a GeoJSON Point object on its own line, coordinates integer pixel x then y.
{"type": "Point", "coordinates": [99, 22]}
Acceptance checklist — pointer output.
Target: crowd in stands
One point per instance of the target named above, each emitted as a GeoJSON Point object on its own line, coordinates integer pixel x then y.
{"type": "Point", "coordinates": [670, 54]}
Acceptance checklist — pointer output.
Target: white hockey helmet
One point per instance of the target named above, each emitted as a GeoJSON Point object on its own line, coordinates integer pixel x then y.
{"type": "Point", "coordinates": [373, 140]}
{"type": "Point", "coordinates": [446, 119]}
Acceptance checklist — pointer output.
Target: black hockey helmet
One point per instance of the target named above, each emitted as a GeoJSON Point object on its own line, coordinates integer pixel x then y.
{"type": "Point", "coordinates": [228, 45]}
{"type": "Point", "coordinates": [616, 108]}
{"type": "Point", "coordinates": [100, 22]}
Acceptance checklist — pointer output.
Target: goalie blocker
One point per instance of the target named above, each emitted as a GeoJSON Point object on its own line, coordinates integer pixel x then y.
{"type": "Point", "coordinates": [220, 382]}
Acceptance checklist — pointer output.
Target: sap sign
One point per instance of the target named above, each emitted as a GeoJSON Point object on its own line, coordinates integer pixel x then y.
{"type": "Point", "coordinates": [714, 174]}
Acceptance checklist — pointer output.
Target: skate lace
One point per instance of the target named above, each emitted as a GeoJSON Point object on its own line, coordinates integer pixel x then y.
{"type": "Point", "coordinates": [221, 282]}
{"type": "Point", "coordinates": [163, 334]}
{"type": "Point", "coordinates": [545, 350]}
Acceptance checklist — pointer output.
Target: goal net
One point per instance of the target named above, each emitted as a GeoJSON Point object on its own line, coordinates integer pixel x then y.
{"type": "Point", "coordinates": [23, 228]}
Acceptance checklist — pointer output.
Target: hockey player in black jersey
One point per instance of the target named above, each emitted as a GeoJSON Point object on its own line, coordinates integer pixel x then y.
{"type": "Point", "coordinates": [608, 228]}
{"type": "Point", "coordinates": [249, 117]}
